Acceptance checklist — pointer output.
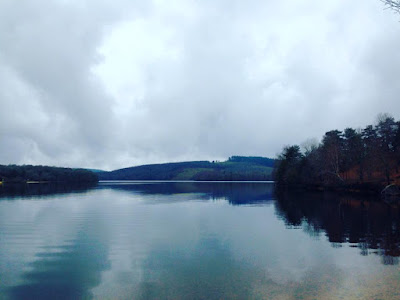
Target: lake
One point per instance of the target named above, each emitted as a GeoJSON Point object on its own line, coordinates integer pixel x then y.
{"type": "Point", "coordinates": [195, 240]}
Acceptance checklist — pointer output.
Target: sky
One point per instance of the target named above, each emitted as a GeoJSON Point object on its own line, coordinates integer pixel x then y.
{"type": "Point", "coordinates": [112, 84]}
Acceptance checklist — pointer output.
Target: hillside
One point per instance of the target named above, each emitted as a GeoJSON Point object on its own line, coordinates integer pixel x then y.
{"type": "Point", "coordinates": [235, 168]}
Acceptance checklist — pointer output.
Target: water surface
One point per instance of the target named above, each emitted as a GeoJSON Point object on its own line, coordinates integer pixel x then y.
{"type": "Point", "coordinates": [157, 240]}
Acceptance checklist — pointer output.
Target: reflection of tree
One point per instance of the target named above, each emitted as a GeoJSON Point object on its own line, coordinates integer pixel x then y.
{"type": "Point", "coordinates": [65, 272]}
{"type": "Point", "coordinates": [373, 226]}
{"type": "Point", "coordinates": [235, 193]}
{"type": "Point", "coordinates": [24, 190]}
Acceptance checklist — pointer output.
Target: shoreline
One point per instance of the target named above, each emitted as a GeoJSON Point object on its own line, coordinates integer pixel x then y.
{"type": "Point", "coordinates": [360, 189]}
{"type": "Point", "coordinates": [182, 181]}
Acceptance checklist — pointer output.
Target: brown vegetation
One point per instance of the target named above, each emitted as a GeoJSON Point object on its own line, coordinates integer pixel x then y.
{"type": "Point", "coordinates": [363, 159]}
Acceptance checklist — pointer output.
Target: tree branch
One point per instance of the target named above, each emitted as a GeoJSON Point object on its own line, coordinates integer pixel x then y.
{"type": "Point", "coordinates": [392, 4]}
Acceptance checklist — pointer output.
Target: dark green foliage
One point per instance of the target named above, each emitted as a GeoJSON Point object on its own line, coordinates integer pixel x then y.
{"type": "Point", "coordinates": [288, 169]}
{"type": "Point", "coordinates": [236, 168]}
{"type": "Point", "coordinates": [352, 157]}
{"type": "Point", "coordinates": [386, 131]}
{"type": "Point", "coordinates": [13, 173]}
{"type": "Point", "coordinates": [153, 172]}
{"type": "Point", "coordinates": [258, 160]}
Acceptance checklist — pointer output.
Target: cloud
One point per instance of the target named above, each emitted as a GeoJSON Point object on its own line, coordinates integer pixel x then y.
{"type": "Point", "coordinates": [113, 84]}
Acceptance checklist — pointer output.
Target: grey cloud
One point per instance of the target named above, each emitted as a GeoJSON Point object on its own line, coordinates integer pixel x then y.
{"type": "Point", "coordinates": [108, 85]}
{"type": "Point", "coordinates": [49, 48]}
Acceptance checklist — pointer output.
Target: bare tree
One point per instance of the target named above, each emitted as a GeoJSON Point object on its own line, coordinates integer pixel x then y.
{"type": "Point", "coordinates": [393, 4]}
{"type": "Point", "coordinates": [309, 146]}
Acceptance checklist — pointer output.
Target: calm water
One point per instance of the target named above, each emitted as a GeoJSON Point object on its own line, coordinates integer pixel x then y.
{"type": "Point", "coordinates": [195, 241]}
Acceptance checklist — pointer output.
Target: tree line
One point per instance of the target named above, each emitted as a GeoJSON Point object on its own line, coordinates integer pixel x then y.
{"type": "Point", "coordinates": [26, 173]}
{"type": "Point", "coordinates": [256, 160]}
{"type": "Point", "coordinates": [369, 156]}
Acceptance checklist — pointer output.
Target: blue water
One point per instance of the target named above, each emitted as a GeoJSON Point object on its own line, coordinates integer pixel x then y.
{"type": "Point", "coordinates": [142, 240]}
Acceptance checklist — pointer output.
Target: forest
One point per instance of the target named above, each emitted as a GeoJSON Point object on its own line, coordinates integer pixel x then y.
{"type": "Point", "coordinates": [363, 159]}
{"type": "Point", "coordinates": [235, 168]}
{"type": "Point", "coordinates": [28, 173]}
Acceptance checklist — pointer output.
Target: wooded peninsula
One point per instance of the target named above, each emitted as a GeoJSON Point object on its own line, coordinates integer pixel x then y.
{"type": "Point", "coordinates": [362, 160]}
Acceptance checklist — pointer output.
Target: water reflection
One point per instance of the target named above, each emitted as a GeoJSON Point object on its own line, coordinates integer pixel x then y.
{"type": "Point", "coordinates": [207, 272]}
{"type": "Point", "coordinates": [370, 225]}
{"type": "Point", "coordinates": [24, 190]}
{"type": "Point", "coordinates": [65, 272]}
{"type": "Point", "coordinates": [197, 241]}
{"type": "Point", "coordinates": [237, 193]}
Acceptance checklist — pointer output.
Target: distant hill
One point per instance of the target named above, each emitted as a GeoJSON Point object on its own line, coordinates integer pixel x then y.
{"type": "Point", "coordinates": [235, 168]}
{"type": "Point", "coordinates": [95, 170]}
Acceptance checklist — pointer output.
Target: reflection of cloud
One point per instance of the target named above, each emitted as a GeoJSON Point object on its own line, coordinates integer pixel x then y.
{"type": "Point", "coordinates": [65, 272]}
{"type": "Point", "coordinates": [211, 271]}
{"type": "Point", "coordinates": [176, 249]}
{"type": "Point", "coordinates": [207, 272]}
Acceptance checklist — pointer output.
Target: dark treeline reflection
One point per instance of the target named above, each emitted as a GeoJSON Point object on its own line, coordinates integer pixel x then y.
{"type": "Point", "coordinates": [237, 193]}
{"type": "Point", "coordinates": [372, 226]}
{"type": "Point", "coordinates": [13, 190]}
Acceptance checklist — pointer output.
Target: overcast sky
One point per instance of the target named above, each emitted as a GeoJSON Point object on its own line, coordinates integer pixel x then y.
{"type": "Point", "coordinates": [111, 84]}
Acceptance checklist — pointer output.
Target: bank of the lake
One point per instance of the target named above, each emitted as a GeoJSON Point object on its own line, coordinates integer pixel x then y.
{"type": "Point", "coordinates": [353, 160]}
